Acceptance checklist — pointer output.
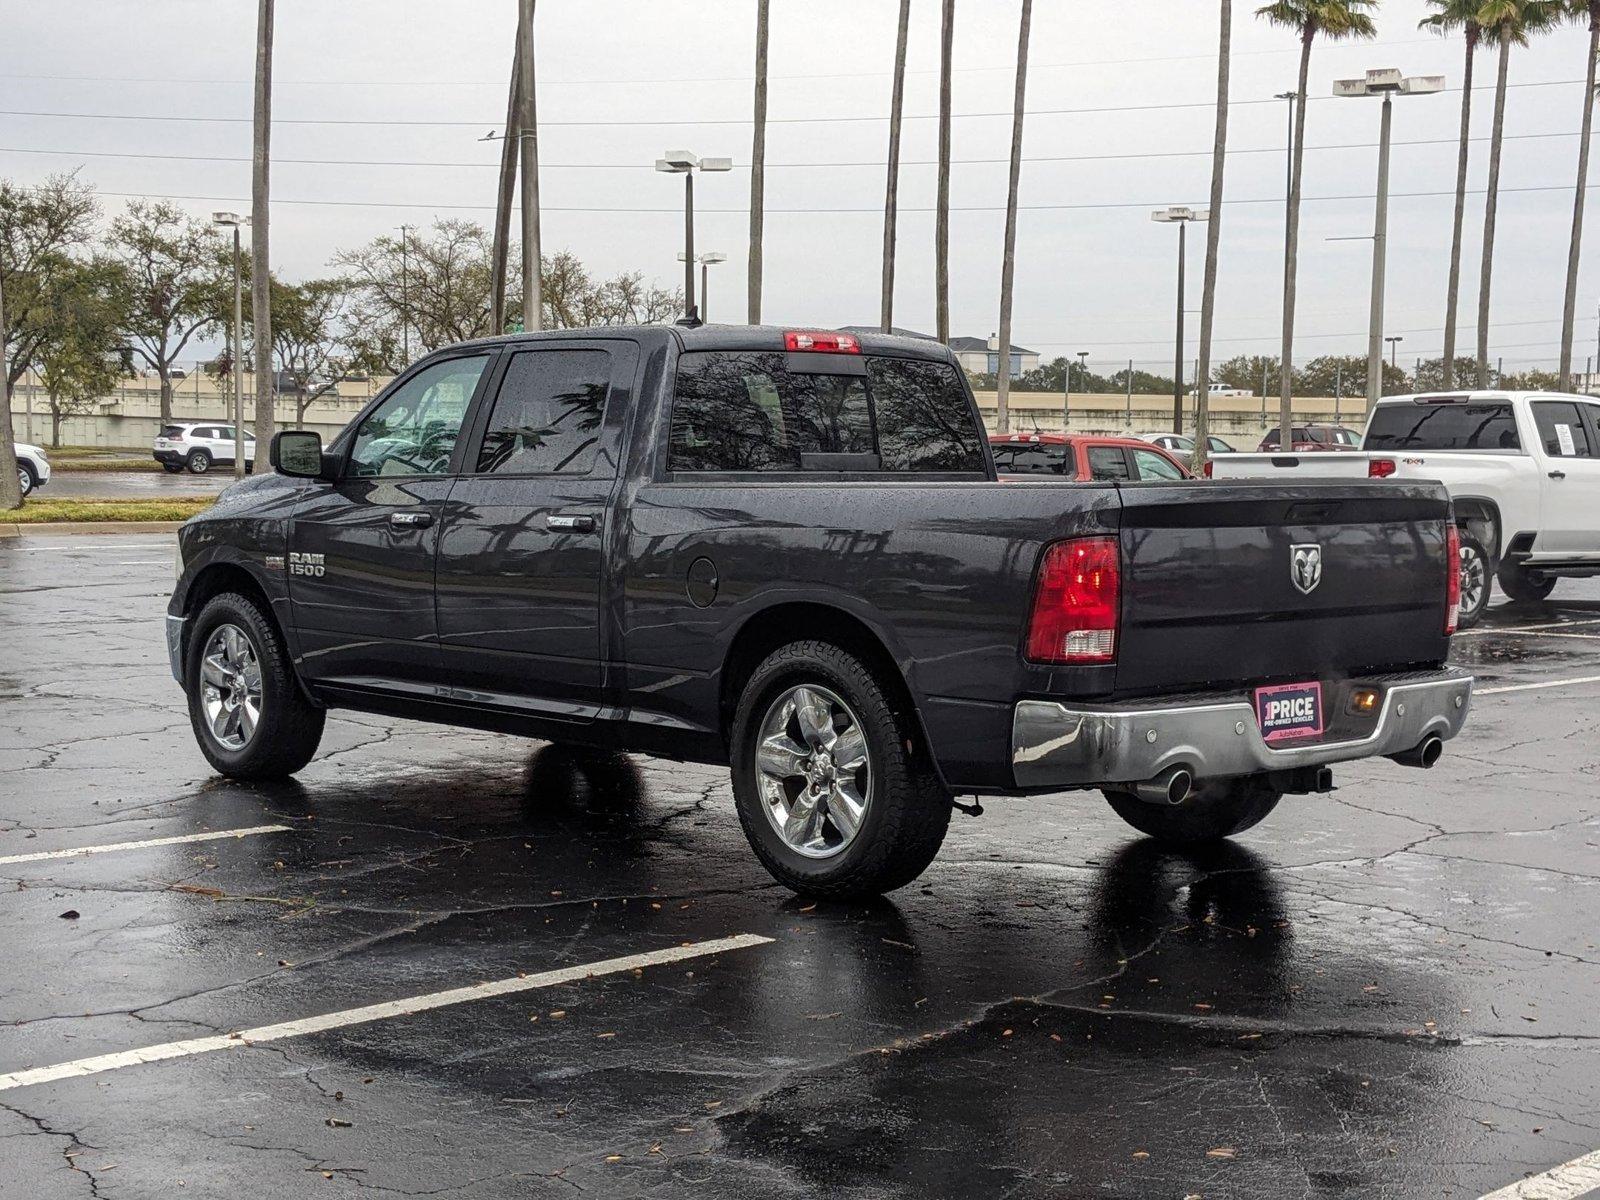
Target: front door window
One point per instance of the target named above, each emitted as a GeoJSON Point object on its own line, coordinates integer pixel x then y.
{"type": "Point", "coordinates": [414, 431]}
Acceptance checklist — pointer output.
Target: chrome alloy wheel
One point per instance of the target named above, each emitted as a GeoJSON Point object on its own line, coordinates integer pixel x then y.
{"type": "Point", "coordinates": [1474, 580]}
{"type": "Point", "coordinates": [814, 771]}
{"type": "Point", "coordinates": [230, 687]}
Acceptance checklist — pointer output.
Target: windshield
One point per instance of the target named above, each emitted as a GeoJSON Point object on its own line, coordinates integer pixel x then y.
{"type": "Point", "coordinates": [1443, 427]}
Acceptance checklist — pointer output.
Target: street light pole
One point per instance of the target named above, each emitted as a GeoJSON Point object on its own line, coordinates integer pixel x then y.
{"type": "Point", "coordinates": [1394, 350]}
{"type": "Point", "coordinates": [1180, 217]}
{"type": "Point", "coordinates": [405, 296]}
{"type": "Point", "coordinates": [682, 162]}
{"type": "Point", "coordinates": [709, 259]}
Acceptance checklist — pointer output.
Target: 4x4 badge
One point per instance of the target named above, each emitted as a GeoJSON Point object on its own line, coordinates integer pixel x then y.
{"type": "Point", "coordinates": [1305, 566]}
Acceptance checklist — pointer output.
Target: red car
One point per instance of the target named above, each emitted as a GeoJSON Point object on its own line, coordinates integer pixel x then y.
{"type": "Point", "coordinates": [1311, 438]}
{"type": "Point", "coordinates": [1082, 458]}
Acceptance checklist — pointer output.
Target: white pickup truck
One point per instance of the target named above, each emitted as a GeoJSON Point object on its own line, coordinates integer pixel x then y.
{"type": "Point", "coordinates": [1522, 468]}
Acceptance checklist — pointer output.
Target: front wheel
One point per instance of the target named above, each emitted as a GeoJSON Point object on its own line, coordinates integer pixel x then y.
{"type": "Point", "coordinates": [1475, 577]}
{"type": "Point", "coordinates": [1523, 585]}
{"type": "Point", "coordinates": [1216, 809]}
{"type": "Point", "coordinates": [25, 479]}
{"type": "Point", "coordinates": [248, 713]}
{"type": "Point", "coordinates": [831, 793]}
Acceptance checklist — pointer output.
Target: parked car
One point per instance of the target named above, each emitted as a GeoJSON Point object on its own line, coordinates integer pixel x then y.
{"type": "Point", "coordinates": [33, 468]}
{"type": "Point", "coordinates": [1220, 390]}
{"type": "Point", "coordinates": [1312, 438]}
{"type": "Point", "coordinates": [1082, 457]}
{"type": "Point", "coordinates": [197, 446]}
{"type": "Point", "coordinates": [1183, 445]}
{"type": "Point", "coordinates": [1523, 469]}
{"type": "Point", "coordinates": [788, 552]}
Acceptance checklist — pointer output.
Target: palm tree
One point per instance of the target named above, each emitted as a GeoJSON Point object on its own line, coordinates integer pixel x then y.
{"type": "Point", "coordinates": [1208, 295]}
{"type": "Point", "coordinates": [260, 271]}
{"type": "Point", "coordinates": [941, 218]}
{"type": "Point", "coordinates": [1453, 15]}
{"type": "Point", "coordinates": [1335, 20]}
{"type": "Point", "coordinates": [891, 196]}
{"type": "Point", "coordinates": [758, 169]}
{"type": "Point", "coordinates": [1505, 23]}
{"type": "Point", "coordinates": [1579, 10]}
{"type": "Point", "coordinates": [1008, 261]}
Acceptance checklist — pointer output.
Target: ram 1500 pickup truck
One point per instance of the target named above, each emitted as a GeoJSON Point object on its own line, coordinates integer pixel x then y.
{"type": "Point", "coordinates": [1522, 469]}
{"type": "Point", "coordinates": [788, 552]}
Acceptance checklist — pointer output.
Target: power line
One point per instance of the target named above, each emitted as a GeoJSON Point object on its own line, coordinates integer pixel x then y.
{"type": "Point", "coordinates": [633, 122]}
{"type": "Point", "coordinates": [925, 162]}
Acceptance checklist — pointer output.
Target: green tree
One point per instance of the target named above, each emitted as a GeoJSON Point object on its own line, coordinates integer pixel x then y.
{"type": "Point", "coordinates": [1431, 375]}
{"type": "Point", "coordinates": [1335, 20]}
{"type": "Point", "coordinates": [169, 271]}
{"type": "Point", "coordinates": [306, 335]}
{"type": "Point", "coordinates": [42, 229]}
{"type": "Point", "coordinates": [1505, 23]}
{"type": "Point", "coordinates": [78, 361]}
{"type": "Point", "coordinates": [1588, 12]}
{"type": "Point", "coordinates": [1247, 371]}
{"type": "Point", "coordinates": [1452, 15]}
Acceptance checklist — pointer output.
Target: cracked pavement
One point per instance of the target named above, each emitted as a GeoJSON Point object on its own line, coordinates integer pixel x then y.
{"type": "Point", "coordinates": [1383, 992]}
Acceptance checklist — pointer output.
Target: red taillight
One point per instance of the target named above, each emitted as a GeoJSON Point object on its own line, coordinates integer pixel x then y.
{"type": "Point", "coordinates": [1208, 469]}
{"type": "Point", "coordinates": [817, 342]}
{"type": "Point", "coordinates": [1076, 603]}
{"type": "Point", "coordinates": [1380, 468]}
{"type": "Point", "coordinates": [1452, 582]}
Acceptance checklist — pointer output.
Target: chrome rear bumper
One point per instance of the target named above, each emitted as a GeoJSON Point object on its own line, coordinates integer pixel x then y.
{"type": "Point", "coordinates": [1060, 745]}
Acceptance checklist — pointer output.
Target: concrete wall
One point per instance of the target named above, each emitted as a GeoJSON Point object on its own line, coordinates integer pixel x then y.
{"type": "Point", "coordinates": [1237, 419]}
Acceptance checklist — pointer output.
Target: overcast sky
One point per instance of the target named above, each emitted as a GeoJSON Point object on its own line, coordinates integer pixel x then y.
{"type": "Point", "coordinates": [622, 80]}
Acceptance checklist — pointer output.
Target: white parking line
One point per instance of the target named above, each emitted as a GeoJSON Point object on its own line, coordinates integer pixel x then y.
{"type": "Point", "coordinates": [1481, 630]}
{"type": "Point", "coordinates": [80, 549]}
{"type": "Point", "coordinates": [41, 855]}
{"type": "Point", "coordinates": [1566, 1182]}
{"type": "Point", "coordinates": [375, 1012]}
{"type": "Point", "coordinates": [1534, 687]}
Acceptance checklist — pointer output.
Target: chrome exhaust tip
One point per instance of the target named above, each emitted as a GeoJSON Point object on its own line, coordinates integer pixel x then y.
{"type": "Point", "coordinates": [1172, 786]}
{"type": "Point", "coordinates": [1424, 754]}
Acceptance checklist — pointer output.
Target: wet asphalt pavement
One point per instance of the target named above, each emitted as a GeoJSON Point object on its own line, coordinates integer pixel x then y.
{"type": "Point", "coordinates": [133, 485]}
{"type": "Point", "coordinates": [1388, 991]}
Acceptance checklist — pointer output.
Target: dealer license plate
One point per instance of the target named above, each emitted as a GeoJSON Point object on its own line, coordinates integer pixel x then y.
{"type": "Point", "coordinates": [1290, 710]}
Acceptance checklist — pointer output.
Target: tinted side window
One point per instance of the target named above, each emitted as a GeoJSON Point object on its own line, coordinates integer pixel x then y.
{"type": "Point", "coordinates": [1561, 429]}
{"type": "Point", "coordinates": [1108, 462]}
{"type": "Point", "coordinates": [414, 430]}
{"type": "Point", "coordinates": [924, 420]}
{"type": "Point", "coordinates": [547, 415]}
{"type": "Point", "coordinates": [1154, 466]}
{"type": "Point", "coordinates": [1442, 427]}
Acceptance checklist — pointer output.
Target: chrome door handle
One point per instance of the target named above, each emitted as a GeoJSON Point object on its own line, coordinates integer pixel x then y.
{"type": "Point", "coordinates": [411, 520]}
{"type": "Point", "coordinates": [1558, 474]}
{"type": "Point", "coordinates": [579, 524]}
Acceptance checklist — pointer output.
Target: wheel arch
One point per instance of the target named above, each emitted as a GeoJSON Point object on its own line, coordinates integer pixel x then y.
{"type": "Point", "coordinates": [793, 621]}
{"type": "Point", "coordinates": [228, 575]}
{"type": "Point", "coordinates": [1480, 517]}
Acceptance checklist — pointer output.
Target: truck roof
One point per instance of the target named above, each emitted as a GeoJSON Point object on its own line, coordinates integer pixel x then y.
{"type": "Point", "coordinates": [733, 337]}
{"type": "Point", "coordinates": [1479, 395]}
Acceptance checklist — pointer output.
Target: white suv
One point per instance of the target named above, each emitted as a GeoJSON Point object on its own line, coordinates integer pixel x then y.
{"type": "Point", "coordinates": [33, 469]}
{"type": "Point", "coordinates": [198, 446]}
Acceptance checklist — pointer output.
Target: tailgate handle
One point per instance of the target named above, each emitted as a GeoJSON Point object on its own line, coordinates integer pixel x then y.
{"type": "Point", "coordinates": [411, 520]}
{"type": "Point", "coordinates": [580, 524]}
{"type": "Point", "coordinates": [1558, 474]}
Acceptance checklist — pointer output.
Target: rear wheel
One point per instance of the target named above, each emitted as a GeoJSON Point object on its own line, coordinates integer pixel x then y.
{"type": "Point", "coordinates": [1216, 809]}
{"type": "Point", "coordinates": [831, 794]}
{"type": "Point", "coordinates": [172, 468]}
{"type": "Point", "coordinates": [248, 713]}
{"type": "Point", "coordinates": [1523, 585]}
{"type": "Point", "coordinates": [1475, 581]}
{"type": "Point", "coordinates": [198, 462]}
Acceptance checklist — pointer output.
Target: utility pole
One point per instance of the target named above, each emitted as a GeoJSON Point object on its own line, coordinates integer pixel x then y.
{"type": "Point", "coordinates": [260, 258]}
{"type": "Point", "coordinates": [1008, 256]}
{"type": "Point", "coordinates": [528, 137]}
{"type": "Point", "coordinates": [510, 146]}
{"type": "Point", "coordinates": [1129, 414]}
{"type": "Point", "coordinates": [1338, 390]}
{"type": "Point", "coordinates": [891, 198]}
{"type": "Point", "coordinates": [758, 170]}
{"type": "Point", "coordinates": [941, 219]}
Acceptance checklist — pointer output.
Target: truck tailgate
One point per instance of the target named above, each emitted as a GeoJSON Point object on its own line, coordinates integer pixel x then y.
{"type": "Point", "coordinates": [1327, 464]}
{"type": "Point", "coordinates": [1210, 596]}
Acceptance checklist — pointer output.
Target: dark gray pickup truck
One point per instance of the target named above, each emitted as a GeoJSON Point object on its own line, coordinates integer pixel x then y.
{"type": "Point", "coordinates": [788, 551]}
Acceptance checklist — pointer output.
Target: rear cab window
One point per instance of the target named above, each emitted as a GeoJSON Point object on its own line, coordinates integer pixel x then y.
{"type": "Point", "coordinates": [753, 411]}
{"type": "Point", "coordinates": [1031, 458]}
{"type": "Point", "coordinates": [1485, 425]}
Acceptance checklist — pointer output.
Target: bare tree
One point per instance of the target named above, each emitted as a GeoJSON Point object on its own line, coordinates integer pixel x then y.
{"type": "Point", "coordinates": [758, 169]}
{"type": "Point", "coordinates": [1583, 10]}
{"type": "Point", "coordinates": [260, 258]}
{"type": "Point", "coordinates": [1008, 260]}
{"type": "Point", "coordinates": [1208, 293]}
{"type": "Point", "coordinates": [891, 196]}
{"type": "Point", "coordinates": [306, 334]}
{"type": "Point", "coordinates": [169, 275]}
{"type": "Point", "coordinates": [41, 229]}
{"type": "Point", "coordinates": [528, 138]}
{"type": "Point", "coordinates": [941, 220]}
{"type": "Point", "coordinates": [508, 187]}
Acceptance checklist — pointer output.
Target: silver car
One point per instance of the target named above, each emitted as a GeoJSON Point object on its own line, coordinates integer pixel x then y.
{"type": "Point", "coordinates": [1181, 444]}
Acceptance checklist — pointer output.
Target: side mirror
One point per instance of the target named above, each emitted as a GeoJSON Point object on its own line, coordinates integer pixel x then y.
{"type": "Point", "coordinates": [297, 453]}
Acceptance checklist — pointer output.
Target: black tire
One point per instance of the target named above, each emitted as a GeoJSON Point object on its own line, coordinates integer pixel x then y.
{"type": "Point", "coordinates": [172, 468]}
{"type": "Point", "coordinates": [26, 479]}
{"type": "Point", "coordinates": [1476, 581]}
{"type": "Point", "coordinates": [198, 462]}
{"type": "Point", "coordinates": [1523, 585]}
{"type": "Point", "coordinates": [907, 809]}
{"type": "Point", "coordinates": [1214, 810]}
{"type": "Point", "coordinates": [289, 729]}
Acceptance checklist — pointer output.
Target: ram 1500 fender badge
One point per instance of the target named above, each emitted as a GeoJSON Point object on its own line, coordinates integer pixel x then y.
{"type": "Point", "coordinates": [1305, 566]}
{"type": "Point", "coordinates": [305, 564]}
